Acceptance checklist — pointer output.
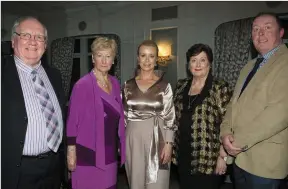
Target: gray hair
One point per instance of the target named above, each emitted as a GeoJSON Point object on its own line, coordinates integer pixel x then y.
{"type": "Point", "coordinates": [19, 20]}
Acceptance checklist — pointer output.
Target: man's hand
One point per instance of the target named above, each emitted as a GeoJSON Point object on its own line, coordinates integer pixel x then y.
{"type": "Point", "coordinates": [229, 145]}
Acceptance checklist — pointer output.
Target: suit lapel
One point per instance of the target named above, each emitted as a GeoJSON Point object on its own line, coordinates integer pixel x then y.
{"type": "Point", "coordinates": [13, 90]}
{"type": "Point", "coordinates": [265, 69]}
{"type": "Point", "coordinates": [54, 80]}
{"type": "Point", "coordinates": [260, 74]}
{"type": "Point", "coordinates": [242, 77]}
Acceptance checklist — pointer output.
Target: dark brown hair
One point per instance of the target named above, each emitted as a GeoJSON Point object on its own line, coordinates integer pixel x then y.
{"type": "Point", "coordinates": [197, 49]}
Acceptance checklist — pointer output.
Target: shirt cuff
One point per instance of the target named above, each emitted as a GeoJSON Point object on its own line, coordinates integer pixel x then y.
{"type": "Point", "coordinates": [169, 136]}
{"type": "Point", "coordinates": [71, 140]}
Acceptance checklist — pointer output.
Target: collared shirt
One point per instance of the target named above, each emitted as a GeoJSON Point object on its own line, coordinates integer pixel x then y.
{"type": "Point", "coordinates": [267, 56]}
{"type": "Point", "coordinates": [36, 134]}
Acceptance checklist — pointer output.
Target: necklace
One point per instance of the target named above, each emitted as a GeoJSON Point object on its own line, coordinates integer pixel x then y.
{"type": "Point", "coordinates": [102, 84]}
{"type": "Point", "coordinates": [189, 99]}
{"type": "Point", "coordinates": [190, 103]}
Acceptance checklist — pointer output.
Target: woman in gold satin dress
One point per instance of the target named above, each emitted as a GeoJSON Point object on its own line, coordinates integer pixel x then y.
{"type": "Point", "coordinates": [149, 117]}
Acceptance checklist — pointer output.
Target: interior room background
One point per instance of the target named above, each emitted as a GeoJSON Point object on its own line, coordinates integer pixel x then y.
{"type": "Point", "coordinates": [72, 26]}
{"type": "Point", "coordinates": [131, 23]}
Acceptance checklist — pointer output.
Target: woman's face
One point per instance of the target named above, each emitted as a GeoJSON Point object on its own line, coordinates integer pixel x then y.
{"type": "Point", "coordinates": [147, 58]}
{"type": "Point", "coordinates": [199, 65]}
{"type": "Point", "coordinates": [103, 60]}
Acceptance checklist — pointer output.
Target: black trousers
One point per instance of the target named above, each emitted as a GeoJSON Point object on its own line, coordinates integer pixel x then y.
{"type": "Point", "coordinates": [199, 180]}
{"type": "Point", "coordinates": [40, 172]}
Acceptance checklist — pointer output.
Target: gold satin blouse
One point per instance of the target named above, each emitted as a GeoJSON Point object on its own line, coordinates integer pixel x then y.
{"type": "Point", "coordinates": [156, 102]}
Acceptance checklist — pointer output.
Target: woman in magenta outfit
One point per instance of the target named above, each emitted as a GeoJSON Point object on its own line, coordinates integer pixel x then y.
{"type": "Point", "coordinates": [96, 123]}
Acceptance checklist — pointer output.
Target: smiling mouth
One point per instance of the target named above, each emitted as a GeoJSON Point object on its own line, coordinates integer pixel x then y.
{"type": "Point", "coordinates": [262, 41]}
{"type": "Point", "coordinates": [31, 49]}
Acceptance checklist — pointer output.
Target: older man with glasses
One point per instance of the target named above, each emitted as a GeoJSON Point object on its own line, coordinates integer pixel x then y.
{"type": "Point", "coordinates": [33, 133]}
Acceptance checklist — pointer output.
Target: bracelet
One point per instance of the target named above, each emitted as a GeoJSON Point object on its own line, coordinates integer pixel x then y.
{"type": "Point", "coordinates": [225, 158]}
{"type": "Point", "coordinates": [171, 143]}
{"type": "Point", "coordinates": [71, 149]}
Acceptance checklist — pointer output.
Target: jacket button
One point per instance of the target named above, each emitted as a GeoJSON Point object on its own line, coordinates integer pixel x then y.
{"type": "Point", "coordinates": [25, 119]}
{"type": "Point", "coordinates": [245, 147]}
{"type": "Point", "coordinates": [18, 165]}
{"type": "Point", "coordinates": [21, 142]}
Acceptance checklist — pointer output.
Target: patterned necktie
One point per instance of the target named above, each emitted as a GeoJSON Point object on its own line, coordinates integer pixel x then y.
{"type": "Point", "coordinates": [52, 125]}
{"type": "Point", "coordinates": [252, 73]}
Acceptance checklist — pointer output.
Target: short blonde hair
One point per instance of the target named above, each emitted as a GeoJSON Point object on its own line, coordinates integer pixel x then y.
{"type": "Point", "coordinates": [104, 43]}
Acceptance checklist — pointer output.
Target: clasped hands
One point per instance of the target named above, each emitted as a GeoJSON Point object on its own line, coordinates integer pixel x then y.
{"type": "Point", "coordinates": [230, 146]}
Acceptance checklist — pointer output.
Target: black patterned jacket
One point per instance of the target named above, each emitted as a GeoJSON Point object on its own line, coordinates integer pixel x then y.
{"type": "Point", "coordinates": [206, 118]}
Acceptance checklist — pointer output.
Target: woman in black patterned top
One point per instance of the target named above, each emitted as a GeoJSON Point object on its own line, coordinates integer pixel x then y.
{"type": "Point", "coordinates": [200, 103]}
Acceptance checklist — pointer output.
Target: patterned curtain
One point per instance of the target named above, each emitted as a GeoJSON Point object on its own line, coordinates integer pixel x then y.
{"type": "Point", "coordinates": [62, 59]}
{"type": "Point", "coordinates": [232, 47]}
{"type": "Point", "coordinates": [116, 68]}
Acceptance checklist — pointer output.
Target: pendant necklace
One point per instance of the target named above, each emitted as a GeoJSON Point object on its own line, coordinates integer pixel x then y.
{"type": "Point", "coordinates": [190, 103]}
{"type": "Point", "coordinates": [99, 82]}
{"type": "Point", "coordinates": [189, 97]}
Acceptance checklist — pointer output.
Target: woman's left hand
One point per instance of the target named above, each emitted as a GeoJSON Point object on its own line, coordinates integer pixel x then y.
{"type": "Point", "coordinates": [221, 166]}
{"type": "Point", "coordinates": [166, 154]}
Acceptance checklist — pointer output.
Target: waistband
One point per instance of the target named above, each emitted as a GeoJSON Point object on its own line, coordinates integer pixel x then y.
{"type": "Point", "coordinates": [40, 156]}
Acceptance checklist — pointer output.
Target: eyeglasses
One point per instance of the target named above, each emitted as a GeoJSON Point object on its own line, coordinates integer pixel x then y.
{"type": "Point", "coordinates": [27, 36]}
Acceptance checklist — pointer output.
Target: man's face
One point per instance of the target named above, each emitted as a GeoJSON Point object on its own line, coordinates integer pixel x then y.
{"type": "Point", "coordinates": [30, 50]}
{"type": "Point", "coordinates": [266, 34]}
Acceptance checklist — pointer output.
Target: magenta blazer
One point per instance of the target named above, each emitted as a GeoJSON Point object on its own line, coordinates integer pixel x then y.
{"type": "Point", "coordinates": [85, 124]}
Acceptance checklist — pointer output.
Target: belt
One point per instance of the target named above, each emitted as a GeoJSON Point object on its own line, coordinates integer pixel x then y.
{"type": "Point", "coordinates": [40, 156]}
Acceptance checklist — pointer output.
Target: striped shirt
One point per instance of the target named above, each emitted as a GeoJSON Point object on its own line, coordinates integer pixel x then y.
{"type": "Point", "coordinates": [36, 134]}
